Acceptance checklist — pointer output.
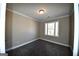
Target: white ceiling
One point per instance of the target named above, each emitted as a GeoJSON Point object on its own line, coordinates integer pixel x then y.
{"type": "Point", "coordinates": [52, 9]}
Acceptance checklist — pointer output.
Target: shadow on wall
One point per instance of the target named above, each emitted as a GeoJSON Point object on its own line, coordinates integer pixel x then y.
{"type": "Point", "coordinates": [71, 28]}
{"type": "Point", "coordinates": [8, 30]}
{"type": "Point", "coordinates": [18, 31]}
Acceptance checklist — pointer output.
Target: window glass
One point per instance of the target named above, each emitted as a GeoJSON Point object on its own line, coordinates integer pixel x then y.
{"type": "Point", "coordinates": [51, 28]}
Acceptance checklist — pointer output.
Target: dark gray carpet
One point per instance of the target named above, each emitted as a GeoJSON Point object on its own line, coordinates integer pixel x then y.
{"type": "Point", "coordinates": [41, 48]}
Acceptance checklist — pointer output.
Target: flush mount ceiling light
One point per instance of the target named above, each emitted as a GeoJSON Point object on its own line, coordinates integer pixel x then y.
{"type": "Point", "coordinates": [41, 11]}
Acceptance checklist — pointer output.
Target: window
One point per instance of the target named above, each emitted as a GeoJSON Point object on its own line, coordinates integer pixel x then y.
{"type": "Point", "coordinates": [51, 28]}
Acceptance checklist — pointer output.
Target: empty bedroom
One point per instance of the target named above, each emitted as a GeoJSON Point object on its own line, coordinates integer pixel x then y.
{"type": "Point", "coordinates": [39, 29]}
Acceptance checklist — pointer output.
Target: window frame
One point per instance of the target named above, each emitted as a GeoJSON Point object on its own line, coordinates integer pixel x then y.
{"type": "Point", "coordinates": [54, 29]}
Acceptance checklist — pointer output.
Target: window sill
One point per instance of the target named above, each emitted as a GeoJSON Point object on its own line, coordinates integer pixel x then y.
{"type": "Point", "coordinates": [51, 36]}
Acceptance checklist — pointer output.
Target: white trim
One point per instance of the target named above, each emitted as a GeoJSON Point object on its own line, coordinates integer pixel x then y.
{"type": "Point", "coordinates": [35, 40]}
{"type": "Point", "coordinates": [21, 14]}
{"type": "Point", "coordinates": [76, 30]}
{"type": "Point", "coordinates": [41, 1]}
{"type": "Point", "coordinates": [21, 45]}
{"type": "Point", "coordinates": [2, 26]}
{"type": "Point", "coordinates": [51, 18]}
{"type": "Point", "coordinates": [61, 17]}
{"type": "Point", "coordinates": [55, 18]}
{"type": "Point", "coordinates": [55, 42]}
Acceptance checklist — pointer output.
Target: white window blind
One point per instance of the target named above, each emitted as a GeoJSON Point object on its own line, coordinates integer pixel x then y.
{"type": "Point", "coordinates": [51, 28]}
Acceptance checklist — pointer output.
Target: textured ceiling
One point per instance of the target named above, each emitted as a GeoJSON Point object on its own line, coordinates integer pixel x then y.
{"type": "Point", "coordinates": [52, 9]}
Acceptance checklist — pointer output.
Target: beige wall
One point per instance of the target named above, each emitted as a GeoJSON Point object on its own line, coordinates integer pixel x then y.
{"type": "Point", "coordinates": [63, 31]}
{"type": "Point", "coordinates": [20, 29]}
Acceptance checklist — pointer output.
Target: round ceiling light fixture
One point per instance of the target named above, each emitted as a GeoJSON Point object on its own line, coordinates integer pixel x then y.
{"type": "Point", "coordinates": [41, 11]}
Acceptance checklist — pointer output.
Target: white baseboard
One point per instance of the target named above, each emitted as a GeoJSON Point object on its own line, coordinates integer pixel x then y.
{"type": "Point", "coordinates": [55, 42]}
{"type": "Point", "coordinates": [35, 40]}
{"type": "Point", "coordinates": [21, 45]}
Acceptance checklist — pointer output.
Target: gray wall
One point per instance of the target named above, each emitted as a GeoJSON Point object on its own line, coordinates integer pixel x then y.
{"type": "Point", "coordinates": [20, 29]}
{"type": "Point", "coordinates": [71, 31]}
{"type": "Point", "coordinates": [8, 30]}
{"type": "Point", "coordinates": [63, 31]}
